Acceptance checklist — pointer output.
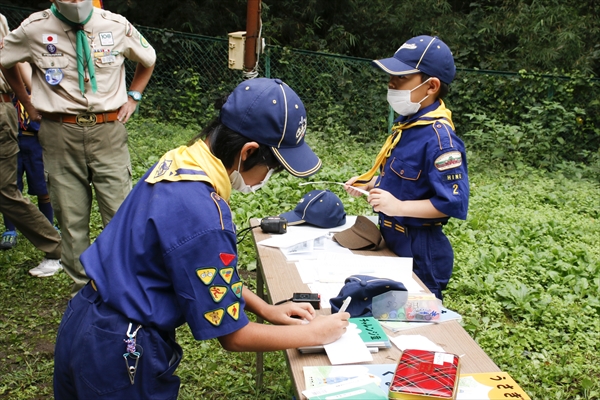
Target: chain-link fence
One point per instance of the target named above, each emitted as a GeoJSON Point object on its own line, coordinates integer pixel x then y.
{"type": "Point", "coordinates": [192, 71]}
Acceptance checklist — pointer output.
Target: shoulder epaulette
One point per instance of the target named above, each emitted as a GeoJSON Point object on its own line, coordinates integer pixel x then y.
{"type": "Point", "coordinates": [444, 132]}
{"type": "Point", "coordinates": [113, 17]}
{"type": "Point", "coordinates": [37, 16]}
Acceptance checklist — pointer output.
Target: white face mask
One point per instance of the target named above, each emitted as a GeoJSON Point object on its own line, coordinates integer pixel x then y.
{"type": "Point", "coordinates": [75, 12]}
{"type": "Point", "coordinates": [401, 102]}
{"type": "Point", "coordinates": [237, 181]}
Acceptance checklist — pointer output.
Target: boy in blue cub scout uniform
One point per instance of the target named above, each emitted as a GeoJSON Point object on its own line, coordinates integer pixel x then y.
{"type": "Point", "coordinates": [423, 177]}
{"type": "Point", "coordinates": [169, 257]}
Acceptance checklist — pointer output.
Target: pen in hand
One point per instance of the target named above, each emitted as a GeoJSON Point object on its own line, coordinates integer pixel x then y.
{"type": "Point", "coordinates": [345, 304]}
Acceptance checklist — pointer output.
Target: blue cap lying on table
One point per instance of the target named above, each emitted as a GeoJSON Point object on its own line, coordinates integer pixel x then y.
{"type": "Point", "coordinates": [362, 289]}
{"type": "Point", "coordinates": [321, 208]}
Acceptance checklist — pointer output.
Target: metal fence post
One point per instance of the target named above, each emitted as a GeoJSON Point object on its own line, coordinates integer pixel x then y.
{"type": "Point", "coordinates": [268, 63]}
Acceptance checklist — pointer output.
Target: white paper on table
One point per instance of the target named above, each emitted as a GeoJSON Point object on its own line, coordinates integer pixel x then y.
{"type": "Point", "coordinates": [350, 221]}
{"type": "Point", "coordinates": [418, 342]}
{"type": "Point", "coordinates": [308, 272]}
{"type": "Point", "coordinates": [326, 290]}
{"type": "Point", "coordinates": [348, 349]}
{"type": "Point", "coordinates": [302, 248]}
{"type": "Point", "coordinates": [333, 388]}
{"type": "Point", "coordinates": [320, 246]}
{"type": "Point", "coordinates": [396, 326]}
{"type": "Point", "coordinates": [470, 389]}
{"type": "Point", "coordinates": [326, 274]}
{"type": "Point", "coordinates": [290, 239]}
{"type": "Point", "coordinates": [300, 233]}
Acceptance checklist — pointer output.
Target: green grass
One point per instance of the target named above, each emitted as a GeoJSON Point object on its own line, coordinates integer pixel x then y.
{"type": "Point", "coordinates": [526, 278]}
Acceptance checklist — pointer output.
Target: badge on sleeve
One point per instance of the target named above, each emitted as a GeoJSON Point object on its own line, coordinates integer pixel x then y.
{"type": "Point", "coordinates": [234, 310]}
{"type": "Point", "coordinates": [454, 177]}
{"type": "Point", "coordinates": [227, 258]}
{"type": "Point", "coordinates": [215, 316]}
{"type": "Point", "coordinates": [237, 289]}
{"type": "Point", "coordinates": [218, 292]}
{"type": "Point", "coordinates": [448, 160]}
{"type": "Point", "coordinates": [49, 38]}
{"type": "Point", "coordinates": [206, 275]}
{"type": "Point", "coordinates": [54, 76]}
{"type": "Point", "coordinates": [226, 274]}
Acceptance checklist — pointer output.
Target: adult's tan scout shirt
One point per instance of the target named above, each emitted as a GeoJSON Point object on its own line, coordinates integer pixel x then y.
{"type": "Point", "coordinates": [4, 86]}
{"type": "Point", "coordinates": [48, 43]}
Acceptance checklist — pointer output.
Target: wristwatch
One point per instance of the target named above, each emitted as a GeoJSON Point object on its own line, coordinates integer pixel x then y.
{"type": "Point", "coordinates": [137, 96]}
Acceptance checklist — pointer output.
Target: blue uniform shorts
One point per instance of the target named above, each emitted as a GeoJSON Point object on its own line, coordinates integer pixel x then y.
{"type": "Point", "coordinates": [433, 257]}
{"type": "Point", "coordinates": [30, 162]}
{"type": "Point", "coordinates": [89, 362]}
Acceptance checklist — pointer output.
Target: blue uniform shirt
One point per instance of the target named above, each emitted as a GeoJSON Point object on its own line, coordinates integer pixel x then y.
{"type": "Point", "coordinates": [169, 256]}
{"type": "Point", "coordinates": [429, 162]}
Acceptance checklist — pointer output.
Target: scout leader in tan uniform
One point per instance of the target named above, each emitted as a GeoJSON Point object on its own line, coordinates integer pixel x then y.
{"type": "Point", "coordinates": [77, 53]}
{"type": "Point", "coordinates": [27, 218]}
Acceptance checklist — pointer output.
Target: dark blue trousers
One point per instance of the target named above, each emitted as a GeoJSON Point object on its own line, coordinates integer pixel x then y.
{"type": "Point", "coordinates": [30, 162]}
{"type": "Point", "coordinates": [89, 362]}
{"type": "Point", "coordinates": [433, 257]}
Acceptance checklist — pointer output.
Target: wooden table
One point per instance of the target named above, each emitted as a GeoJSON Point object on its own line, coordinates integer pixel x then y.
{"type": "Point", "coordinates": [280, 278]}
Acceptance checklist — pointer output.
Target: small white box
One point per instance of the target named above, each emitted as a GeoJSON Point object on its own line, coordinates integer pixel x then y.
{"type": "Point", "coordinates": [237, 45]}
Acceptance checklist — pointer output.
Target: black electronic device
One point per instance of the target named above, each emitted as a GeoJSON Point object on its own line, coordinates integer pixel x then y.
{"type": "Point", "coordinates": [313, 298]}
{"type": "Point", "coordinates": [273, 224]}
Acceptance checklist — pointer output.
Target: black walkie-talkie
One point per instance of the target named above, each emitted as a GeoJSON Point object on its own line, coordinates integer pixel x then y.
{"type": "Point", "coordinates": [273, 224]}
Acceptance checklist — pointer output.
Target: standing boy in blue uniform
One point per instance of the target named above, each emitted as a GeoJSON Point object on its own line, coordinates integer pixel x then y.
{"type": "Point", "coordinates": [423, 177]}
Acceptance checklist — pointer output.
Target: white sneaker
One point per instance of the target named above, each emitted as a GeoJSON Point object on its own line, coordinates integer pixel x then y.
{"type": "Point", "coordinates": [47, 267]}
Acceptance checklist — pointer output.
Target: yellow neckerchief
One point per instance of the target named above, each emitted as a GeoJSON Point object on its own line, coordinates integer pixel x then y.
{"type": "Point", "coordinates": [193, 163]}
{"type": "Point", "coordinates": [441, 114]}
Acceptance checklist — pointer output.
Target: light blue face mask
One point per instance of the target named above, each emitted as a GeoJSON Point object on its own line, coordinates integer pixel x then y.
{"type": "Point", "coordinates": [237, 180]}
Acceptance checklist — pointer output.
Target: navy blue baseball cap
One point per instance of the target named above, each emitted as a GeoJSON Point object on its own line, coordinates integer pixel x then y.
{"type": "Point", "coordinates": [321, 208]}
{"type": "Point", "coordinates": [269, 112]}
{"type": "Point", "coordinates": [426, 54]}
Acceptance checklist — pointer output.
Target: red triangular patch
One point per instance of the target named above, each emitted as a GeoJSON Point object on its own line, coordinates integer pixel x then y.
{"type": "Point", "coordinates": [227, 258]}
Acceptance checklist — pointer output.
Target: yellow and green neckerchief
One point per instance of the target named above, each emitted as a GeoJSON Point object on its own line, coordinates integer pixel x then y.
{"type": "Point", "coordinates": [440, 114]}
{"type": "Point", "coordinates": [193, 163]}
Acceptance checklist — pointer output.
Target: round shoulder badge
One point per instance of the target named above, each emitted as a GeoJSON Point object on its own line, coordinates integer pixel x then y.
{"type": "Point", "coordinates": [144, 42]}
{"type": "Point", "coordinates": [54, 76]}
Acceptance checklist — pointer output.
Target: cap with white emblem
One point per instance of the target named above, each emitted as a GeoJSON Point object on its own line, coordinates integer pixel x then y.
{"type": "Point", "coordinates": [269, 112]}
{"type": "Point", "coordinates": [426, 54]}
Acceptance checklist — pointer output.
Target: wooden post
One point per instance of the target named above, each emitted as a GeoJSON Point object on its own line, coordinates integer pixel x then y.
{"type": "Point", "coordinates": [252, 30]}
